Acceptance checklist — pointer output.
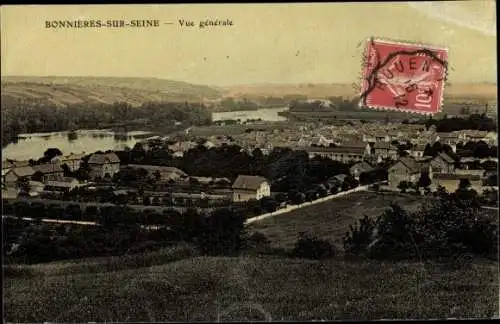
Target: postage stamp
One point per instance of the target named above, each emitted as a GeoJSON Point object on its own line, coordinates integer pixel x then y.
{"type": "Point", "coordinates": [403, 76]}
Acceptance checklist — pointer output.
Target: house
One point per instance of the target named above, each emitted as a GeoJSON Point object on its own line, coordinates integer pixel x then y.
{"type": "Point", "coordinates": [368, 137]}
{"type": "Point", "coordinates": [166, 173]}
{"type": "Point", "coordinates": [341, 154]}
{"type": "Point", "coordinates": [63, 184]}
{"type": "Point", "coordinates": [443, 163]}
{"type": "Point", "coordinates": [480, 173]}
{"type": "Point", "coordinates": [10, 193]}
{"type": "Point", "coordinates": [407, 169]}
{"type": "Point", "coordinates": [336, 180]}
{"type": "Point", "coordinates": [382, 138]}
{"type": "Point", "coordinates": [358, 145]}
{"type": "Point", "coordinates": [15, 164]}
{"type": "Point", "coordinates": [474, 135]}
{"type": "Point", "coordinates": [469, 162]}
{"type": "Point", "coordinates": [182, 146]}
{"type": "Point", "coordinates": [49, 171]}
{"type": "Point", "coordinates": [447, 138]}
{"type": "Point", "coordinates": [178, 154]}
{"type": "Point", "coordinates": [11, 176]}
{"type": "Point", "coordinates": [394, 135]}
{"type": "Point", "coordinates": [417, 151]}
{"type": "Point", "coordinates": [385, 150]}
{"type": "Point", "coordinates": [359, 168]}
{"type": "Point", "coordinates": [36, 186]}
{"type": "Point", "coordinates": [451, 182]}
{"type": "Point", "coordinates": [321, 141]}
{"type": "Point", "coordinates": [491, 138]}
{"type": "Point", "coordinates": [73, 161]}
{"type": "Point", "coordinates": [247, 187]}
{"type": "Point", "coordinates": [104, 165]}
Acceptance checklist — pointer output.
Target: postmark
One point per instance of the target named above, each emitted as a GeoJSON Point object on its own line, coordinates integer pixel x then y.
{"type": "Point", "coordinates": [403, 77]}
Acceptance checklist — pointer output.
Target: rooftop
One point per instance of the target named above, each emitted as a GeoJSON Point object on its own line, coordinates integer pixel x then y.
{"type": "Point", "coordinates": [248, 182]}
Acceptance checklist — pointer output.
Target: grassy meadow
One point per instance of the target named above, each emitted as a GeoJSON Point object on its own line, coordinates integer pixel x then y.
{"type": "Point", "coordinates": [254, 288]}
{"type": "Point", "coordinates": [331, 219]}
{"type": "Point", "coordinates": [177, 284]}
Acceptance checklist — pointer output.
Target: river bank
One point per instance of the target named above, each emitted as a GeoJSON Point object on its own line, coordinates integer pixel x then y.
{"type": "Point", "coordinates": [32, 145]}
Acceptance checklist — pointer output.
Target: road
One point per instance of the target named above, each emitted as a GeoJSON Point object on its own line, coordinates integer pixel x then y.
{"type": "Point", "coordinates": [65, 221]}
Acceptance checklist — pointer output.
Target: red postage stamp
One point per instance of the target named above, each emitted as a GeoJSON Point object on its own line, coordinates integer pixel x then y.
{"type": "Point", "coordinates": [403, 76]}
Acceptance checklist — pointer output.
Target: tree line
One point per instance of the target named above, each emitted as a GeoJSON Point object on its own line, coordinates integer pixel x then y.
{"type": "Point", "coordinates": [451, 224]}
{"type": "Point", "coordinates": [447, 125]}
{"type": "Point", "coordinates": [21, 116]}
{"type": "Point", "coordinates": [285, 168]}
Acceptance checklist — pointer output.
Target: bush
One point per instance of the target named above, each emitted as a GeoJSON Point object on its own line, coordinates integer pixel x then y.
{"type": "Point", "coordinates": [313, 248]}
{"type": "Point", "coordinates": [359, 237]}
{"type": "Point", "coordinates": [450, 224]}
{"type": "Point", "coordinates": [258, 242]}
{"type": "Point", "coordinates": [222, 233]}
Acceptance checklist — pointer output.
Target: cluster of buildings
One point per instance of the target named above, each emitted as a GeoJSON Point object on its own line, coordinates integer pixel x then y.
{"type": "Point", "coordinates": [362, 145]}
{"type": "Point", "coordinates": [19, 176]}
{"type": "Point", "coordinates": [442, 170]}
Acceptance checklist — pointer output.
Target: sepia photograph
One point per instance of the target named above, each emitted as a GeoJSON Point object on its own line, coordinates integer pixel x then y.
{"type": "Point", "coordinates": [249, 162]}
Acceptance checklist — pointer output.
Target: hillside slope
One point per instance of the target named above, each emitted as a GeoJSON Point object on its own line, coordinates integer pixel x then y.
{"type": "Point", "coordinates": [255, 288]}
{"type": "Point", "coordinates": [68, 90]}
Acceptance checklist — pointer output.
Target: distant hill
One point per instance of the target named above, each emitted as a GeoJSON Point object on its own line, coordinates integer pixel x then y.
{"type": "Point", "coordinates": [67, 90]}
{"type": "Point", "coordinates": [486, 91]}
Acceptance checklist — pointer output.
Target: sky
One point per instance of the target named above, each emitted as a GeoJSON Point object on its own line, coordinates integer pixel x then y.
{"type": "Point", "coordinates": [267, 43]}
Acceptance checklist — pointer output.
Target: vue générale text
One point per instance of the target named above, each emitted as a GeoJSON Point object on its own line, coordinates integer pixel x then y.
{"type": "Point", "coordinates": [137, 23]}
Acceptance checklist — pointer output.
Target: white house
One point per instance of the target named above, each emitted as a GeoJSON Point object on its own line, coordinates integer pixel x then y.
{"type": "Point", "coordinates": [247, 187]}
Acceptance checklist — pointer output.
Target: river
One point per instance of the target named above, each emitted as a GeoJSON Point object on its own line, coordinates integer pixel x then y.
{"type": "Point", "coordinates": [32, 146]}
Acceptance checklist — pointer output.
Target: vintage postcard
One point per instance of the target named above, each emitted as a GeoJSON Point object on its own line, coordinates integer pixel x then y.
{"type": "Point", "coordinates": [249, 162]}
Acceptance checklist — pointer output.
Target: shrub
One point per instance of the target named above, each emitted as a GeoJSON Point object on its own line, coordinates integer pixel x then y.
{"type": "Point", "coordinates": [313, 248]}
{"type": "Point", "coordinates": [403, 186]}
{"type": "Point", "coordinates": [222, 233]}
{"type": "Point", "coordinates": [393, 237]}
{"type": "Point", "coordinates": [359, 237]}
{"type": "Point", "coordinates": [258, 242]}
{"type": "Point", "coordinates": [450, 224]}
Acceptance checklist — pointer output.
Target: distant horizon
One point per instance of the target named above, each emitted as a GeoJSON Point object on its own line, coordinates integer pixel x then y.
{"type": "Point", "coordinates": [212, 85]}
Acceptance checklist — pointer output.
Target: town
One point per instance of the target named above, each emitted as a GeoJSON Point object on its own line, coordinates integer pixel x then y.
{"type": "Point", "coordinates": [397, 157]}
{"type": "Point", "coordinates": [304, 170]}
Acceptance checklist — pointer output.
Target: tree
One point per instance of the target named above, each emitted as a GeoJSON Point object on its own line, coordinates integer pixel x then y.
{"type": "Point", "coordinates": [281, 197]}
{"type": "Point", "coordinates": [192, 224]}
{"type": "Point", "coordinates": [313, 248]}
{"type": "Point", "coordinates": [464, 184]}
{"type": "Point", "coordinates": [403, 186]}
{"type": "Point", "coordinates": [424, 181]}
{"type": "Point", "coordinates": [345, 186]}
{"type": "Point", "coordinates": [223, 233]}
{"type": "Point", "coordinates": [50, 153]}
{"type": "Point", "coordinates": [268, 204]}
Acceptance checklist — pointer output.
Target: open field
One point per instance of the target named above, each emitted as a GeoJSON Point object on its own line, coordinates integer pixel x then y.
{"type": "Point", "coordinates": [331, 219]}
{"type": "Point", "coordinates": [254, 288]}
{"type": "Point", "coordinates": [70, 90]}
